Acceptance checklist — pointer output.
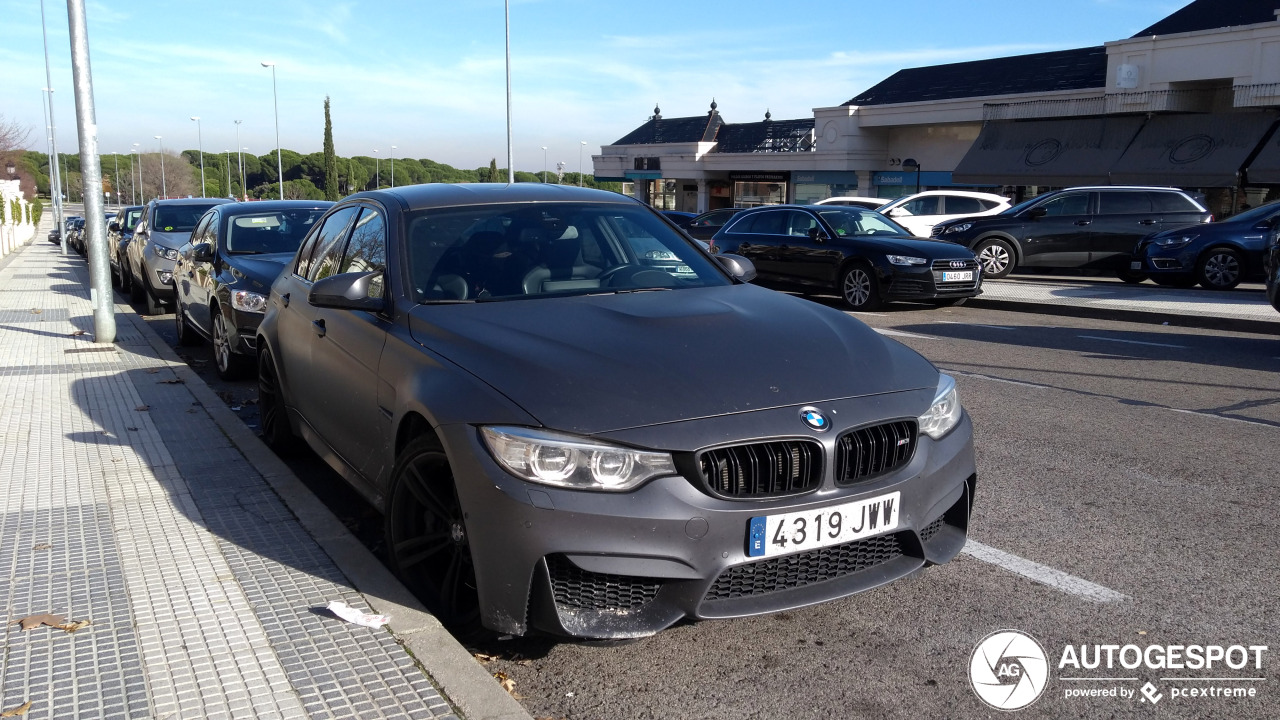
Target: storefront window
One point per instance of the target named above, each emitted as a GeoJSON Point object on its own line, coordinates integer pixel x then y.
{"type": "Point", "coordinates": [751, 194]}
{"type": "Point", "coordinates": [810, 193]}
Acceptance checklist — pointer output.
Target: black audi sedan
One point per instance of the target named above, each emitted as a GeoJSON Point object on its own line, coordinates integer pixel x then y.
{"type": "Point", "coordinates": [223, 275]}
{"type": "Point", "coordinates": [861, 255]}
{"type": "Point", "coordinates": [498, 369]}
{"type": "Point", "coordinates": [1217, 255]}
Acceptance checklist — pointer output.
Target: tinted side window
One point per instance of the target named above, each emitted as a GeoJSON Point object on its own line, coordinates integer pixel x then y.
{"type": "Point", "coordinates": [961, 205]}
{"type": "Point", "coordinates": [201, 233]}
{"type": "Point", "coordinates": [1072, 204]}
{"type": "Point", "coordinates": [367, 249]}
{"type": "Point", "coordinates": [1172, 202]}
{"type": "Point", "coordinates": [321, 245]}
{"type": "Point", "coordinates": [1123, 203]}
{"type": "Point", "coordinates": [768, 223]}
{"type": "Point", "coordinates": [989, 204]}
{"type": "Point", "coordinates": [799, 223]}
{"type": "Point", "coordinates": [928, 205]}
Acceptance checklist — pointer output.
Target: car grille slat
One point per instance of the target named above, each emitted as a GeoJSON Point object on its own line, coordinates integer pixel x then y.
{"type": "Point", "coordinates": [768, 469]}
{"type": "Point", "coordinates": [870, 452]}
{"type": "Point", "coordinates": [581, 589]}
{"type": "Point", "coordinates": [801, 569]}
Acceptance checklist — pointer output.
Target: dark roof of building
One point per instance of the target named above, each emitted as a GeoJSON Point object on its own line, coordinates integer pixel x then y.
{"type": "Point", "coordinates": [1213, 14]}
{"type": "Point", "coordinates": [766, 136]}
{"type": "Point", "coordinates": [700, 128]}
{"type": "Point", "coordinates": [1082, 68]}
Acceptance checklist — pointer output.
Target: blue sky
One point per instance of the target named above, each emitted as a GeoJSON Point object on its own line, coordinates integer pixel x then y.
{"type": "Point", "coordinates": [428, 76]}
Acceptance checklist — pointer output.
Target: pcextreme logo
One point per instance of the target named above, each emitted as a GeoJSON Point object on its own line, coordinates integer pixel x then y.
{"type": "Point", "coordinates": [1009, 670]}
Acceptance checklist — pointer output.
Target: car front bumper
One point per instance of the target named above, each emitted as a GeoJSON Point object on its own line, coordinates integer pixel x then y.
{"type": "Point", "coordinates": [619, 565]}
{"type": "Point", "coordinates": [925, 282]}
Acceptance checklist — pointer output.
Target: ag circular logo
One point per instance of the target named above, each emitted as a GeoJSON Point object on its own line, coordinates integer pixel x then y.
{"type": "Point", "coordinates": [1045, 151]}
{"type": "Point", "coordinates": [1008, 670]}
{"type": "Point", "coordinates": [813, 418]}
{"type": "Point", "coordinates": [1191, 149]}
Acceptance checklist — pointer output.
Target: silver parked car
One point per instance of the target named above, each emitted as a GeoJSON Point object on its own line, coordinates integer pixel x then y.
{"type": "Point", "coordinates": [165, 227]}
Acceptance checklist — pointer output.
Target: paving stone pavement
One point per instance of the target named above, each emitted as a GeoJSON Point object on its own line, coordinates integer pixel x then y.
{"type": "Point", "coordinates": [123, 503]}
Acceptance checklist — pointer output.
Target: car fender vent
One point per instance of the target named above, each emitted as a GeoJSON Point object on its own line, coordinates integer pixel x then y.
{"type": "Point", "coordinates": [581, 589]}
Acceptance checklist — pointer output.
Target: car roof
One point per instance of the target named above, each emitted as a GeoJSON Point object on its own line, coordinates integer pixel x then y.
{"type": "Point", "coordinates": [190, 201]}
{"type": "Point", "coordinates": [244, 208]}
{"type": "Point", "coordinates": [433, 195]}
{"type": "Point", "coordinates": [962, 193]}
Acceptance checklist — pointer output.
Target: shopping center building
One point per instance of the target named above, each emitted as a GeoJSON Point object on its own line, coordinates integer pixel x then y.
{"type": "Point", "coordinates": [1192, 101]}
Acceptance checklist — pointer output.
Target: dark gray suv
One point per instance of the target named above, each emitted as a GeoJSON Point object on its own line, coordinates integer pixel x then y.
{"type": "Point", "coordinates": [1082, 227]}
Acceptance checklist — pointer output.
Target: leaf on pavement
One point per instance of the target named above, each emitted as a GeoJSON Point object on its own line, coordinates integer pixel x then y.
{"type": "Point", "coordinates": [18, 711]}
{"type": "Point", "coordinates": [171, 381]}
{"type": "Point", "coordinates": [143, 408]}
{"type": "Point", "coordinates": [36, 311]}
{"type": "Point", "coordinates": [482, 657]}
{"type": "Point", "coordinates": [507, 684]}
{"type": "Point", "coordinates": [42, 546]}
{"type": "Point", "coordinates": [79, 332]}
{"type": "Point", "coordinates": [74, 625]}
{"type": "Point", "coordinates": [34, 621]}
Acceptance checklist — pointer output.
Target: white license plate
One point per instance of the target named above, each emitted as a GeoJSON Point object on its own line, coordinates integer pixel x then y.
{"type": "Point", "coordinates": [957, 275]}
{"type": "Point", "coordinates": [1135, 265]}
{"type": "Point", "coordinates": [684, 270]}
{"type": "Point", "coordinates": [787, 533]}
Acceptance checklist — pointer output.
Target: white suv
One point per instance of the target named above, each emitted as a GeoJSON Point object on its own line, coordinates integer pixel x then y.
{"type": "Point", "coordinates": [920, 212]}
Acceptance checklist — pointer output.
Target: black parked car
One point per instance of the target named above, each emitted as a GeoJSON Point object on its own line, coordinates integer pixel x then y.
{"type": "Point", "coordinates": [1217, 255]}
{"type": "Point", "coordinates": [75, 234]}
{"type": "Point", "coordinates": [861, 255]}
{"type": "Point", "coordinates": [495, 367]}
{"type": "Point", "coordinates": [55, 235]}
{"type": "Point", "coordinates": [165, 226]}
{"type": "Point", "coordinates": [119, 232]}
{"type": "Point", "coordinates": [1083, 227]}
{"type": "Point", "coordinates": [223, 275]}
{"type": "Point", "coordinates": [704, 226]}
{"type": "Point", "coordinates": [1271, 263]}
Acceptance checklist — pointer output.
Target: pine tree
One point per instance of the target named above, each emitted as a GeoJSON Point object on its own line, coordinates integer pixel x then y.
{"type": "Point", "coordinates": [330, 161]}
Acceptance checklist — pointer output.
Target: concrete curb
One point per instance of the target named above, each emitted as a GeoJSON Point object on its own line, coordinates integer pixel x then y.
{"type": "Point", "coordinates": [1204, 322]}
{"type": "Point", "coordinates": [463, 681]}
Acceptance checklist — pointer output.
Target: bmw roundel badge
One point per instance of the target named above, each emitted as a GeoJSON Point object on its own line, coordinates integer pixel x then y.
{"type": "Point", "coordinates": [813, 418]}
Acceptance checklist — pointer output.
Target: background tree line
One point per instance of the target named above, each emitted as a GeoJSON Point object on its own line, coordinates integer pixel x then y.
{"type": "Point", "coordinates": [304, 175]}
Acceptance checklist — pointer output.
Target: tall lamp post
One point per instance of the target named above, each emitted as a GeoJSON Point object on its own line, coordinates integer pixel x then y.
{"type": "Point", "coordinates": [580, 148]}
{"type": "Point", "coordinates": [544, 163]}
{"type": "Point", "coordinates": [164, 189]}
{"type": "Point", "coordinates": [393, 166]}
{"type": "Point", "coordinates": [910, 163]}
{"type": "Point", "coordinates": [276, 103]}
{"type": "Point", "coordinates": [200, 148]}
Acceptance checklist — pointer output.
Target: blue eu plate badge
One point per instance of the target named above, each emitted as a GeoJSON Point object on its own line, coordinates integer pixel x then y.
{"type": "Point", "coordinates": [756, 537]}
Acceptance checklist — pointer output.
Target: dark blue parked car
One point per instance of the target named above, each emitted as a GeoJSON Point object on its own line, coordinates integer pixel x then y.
{"type": "Point", "coordinates": [1217, 255]}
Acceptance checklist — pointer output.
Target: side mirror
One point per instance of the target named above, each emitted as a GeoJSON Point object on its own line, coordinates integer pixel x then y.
{"type": "Point", "coordinates": [1037, 213]}
{"type": "Point", "coordinates": [114, 227]}
{"type": "Point", "coordinates": [202, 252]}
{"type": "Point", "coordinates": [817, 235]}
{"type": "Point", "coordinates": [739, 267]}
{"type": "Point", "coordinates": [348, 291]}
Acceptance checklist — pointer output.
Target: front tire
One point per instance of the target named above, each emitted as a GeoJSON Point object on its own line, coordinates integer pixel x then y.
{"type": "Point", "coordinates": [426, 537]}
{"type": "Point", "coordinates": [996, 257]}
{"type": "Point", "coordinates": [859, 288]}
{"type": "Point", "coordinates": [186, 336]}
{"type": "Point", "coordinates": [276, 431]}
{"type": "Point", "coordinates": [1221, 268]}
{"type": "Point", "coordinates": [231, 366]}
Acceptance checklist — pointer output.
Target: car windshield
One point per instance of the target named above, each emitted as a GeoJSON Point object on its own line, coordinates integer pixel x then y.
{"type": "Point", "coordinates": [178, 218]}
{"type": "Point", "coordinates": [131, 218]}
{"type": "Point", "coordinates": [510, 251]}
{"type": "Point", "coordinates": [1258, 214]}
{"type": "Point", "coordinates": [852, 221]}
{"type": "Point", "coordinates": [269, 232]}
{"type": "Point", "coordinates": [1022, 206]}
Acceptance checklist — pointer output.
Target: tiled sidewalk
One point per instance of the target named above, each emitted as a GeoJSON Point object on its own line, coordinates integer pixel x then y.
{"type": "Point", "coordinates": [124, 502]}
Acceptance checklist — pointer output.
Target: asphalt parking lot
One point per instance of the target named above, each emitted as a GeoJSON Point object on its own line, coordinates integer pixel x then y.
{"type": "Point", "coordinates": [1126, 487]}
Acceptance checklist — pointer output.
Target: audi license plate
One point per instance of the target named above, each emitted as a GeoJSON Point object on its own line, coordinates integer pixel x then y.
{"type": "Point", "coordinates": [788, 533]}
{"type": "Point", "coordinates": [1135, 265]}
{"type": "Point", "coordinates": [957, 275]}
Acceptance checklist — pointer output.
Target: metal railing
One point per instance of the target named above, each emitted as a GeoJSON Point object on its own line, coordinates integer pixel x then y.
{"type": "Point", "coordinates": [1220, 99]}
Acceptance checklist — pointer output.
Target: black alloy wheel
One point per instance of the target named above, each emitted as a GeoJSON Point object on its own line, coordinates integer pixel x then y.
{"type": "Point", "coordinates": [276, 431]}
{"type": "Point", "coordinates": [231, 365]}
{"type": "Point", "coordinates": [427, 537]}
{"type": "Point", "coordinates": [186, 335]}
{"type": "Point", "coordinates": [996, 257]}
{"type": "Point", "coordinates": [859, 288]}
{"type": "Point", "coordinates": [1221, 268]}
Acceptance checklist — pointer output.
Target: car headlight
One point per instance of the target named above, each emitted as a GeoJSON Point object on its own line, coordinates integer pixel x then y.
{"type": "Point", "coordinates": [944, 413]}
{"type": "Point", "coordinates": [571, 462]}
{"type": "Point", "coordinates": [248, 301]}
{"type": "Point", "coordinates": [905, 260]}
{"type": "Point", "coordinates": [1174, 241]}
{"type": "Point", "coordinates": [164, 252]}
{"type": "Point", "coordinates": [957, 228]}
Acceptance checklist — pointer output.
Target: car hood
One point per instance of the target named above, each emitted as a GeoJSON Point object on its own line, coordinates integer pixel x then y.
{"type": "Point", "coordinates": [259, 271]}
{"type": "Point", "coordinates": [930, 248]}
{"type": "Point", "coordinates": [173, 240]}
{"type": "Point", "coordinates": [595, 364]}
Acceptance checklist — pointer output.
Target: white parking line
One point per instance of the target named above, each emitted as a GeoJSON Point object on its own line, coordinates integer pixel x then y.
{"type": "Point", "coordinates": [1221, 417]}
{"type": "Point", "coordinates": [1131, 342]}
{"type": "Point", "coordinates": [899, 333]}
{"type": "Point", "coordinates": [1043, 574]}
{"type": "Point", "coordinates": [996, 379]}
{"type": "Point", "coordinates": [992, 327]}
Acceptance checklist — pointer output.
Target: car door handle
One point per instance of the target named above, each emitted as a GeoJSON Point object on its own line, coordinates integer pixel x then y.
{"type": "Point", "coordinates": [318, 325]}
{"type": "Point", "coordinates": [285, 299]}
{"type": "Point", "coordinates": [1083, 222]}
{"type": "Point", "coordinates": [1147, 222]}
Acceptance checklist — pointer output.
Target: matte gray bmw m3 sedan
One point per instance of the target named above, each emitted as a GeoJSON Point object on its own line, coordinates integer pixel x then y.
{"type": "Point", "coordinates": [567, 430]}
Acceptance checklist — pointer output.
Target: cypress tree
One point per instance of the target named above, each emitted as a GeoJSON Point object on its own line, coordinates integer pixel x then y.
{"type": "Point", "coordinates": [330, 161]}
{"type": "Point", "coordinates": [493, 170]}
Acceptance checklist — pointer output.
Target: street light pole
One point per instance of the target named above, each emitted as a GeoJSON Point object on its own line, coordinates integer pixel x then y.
{"type": "Point", "coordinates": [276, 103]}
{"type": "Point", "coordinates": [56, 187]}
{"type": "Point", "coordinates": [544, 163]}
{"type": "Point", "coordinates": [164, 188]}
{"type": "Point", "coordinates": [580, 147]}
{"type": "Point", "coordinates": [511, 163]}
{"type": "Point", "coordinates": [393, 166]}
{"type": "Point", "coordinates": [200, 147]}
